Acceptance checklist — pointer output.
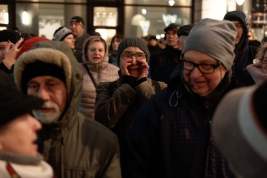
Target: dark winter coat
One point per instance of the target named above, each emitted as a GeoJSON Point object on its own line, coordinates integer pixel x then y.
{"type": "Point", "coordinates": [170, 135]}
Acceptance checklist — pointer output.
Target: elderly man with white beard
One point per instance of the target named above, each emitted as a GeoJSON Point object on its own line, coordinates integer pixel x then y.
{"type": "Point", "coordinates": [74, 145]}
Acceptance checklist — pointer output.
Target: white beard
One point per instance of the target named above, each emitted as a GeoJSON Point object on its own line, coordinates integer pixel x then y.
{"type": "Point", "coordinates": [47, 118]}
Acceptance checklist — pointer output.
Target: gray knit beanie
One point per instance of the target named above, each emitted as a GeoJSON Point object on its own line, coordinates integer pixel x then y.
{"type": "Point", "coordinates": [215, 38]}
{"type": "Point", "coordinates": [132, 41]}
{"type": "Point", "coordinates": [61, 33]}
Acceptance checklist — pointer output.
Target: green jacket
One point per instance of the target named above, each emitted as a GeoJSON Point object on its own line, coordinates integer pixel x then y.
{"type": "Point", "coordinates": [75, 146]}
{"type": "Point", "coordinates": [117, 103]}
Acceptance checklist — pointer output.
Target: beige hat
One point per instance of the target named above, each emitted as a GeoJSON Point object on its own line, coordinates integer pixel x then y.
{"type": "Point", "coordinates": [240, 130]}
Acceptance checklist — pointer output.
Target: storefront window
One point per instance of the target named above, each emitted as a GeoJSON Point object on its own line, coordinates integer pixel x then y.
{"type": "Point", "coordinates": [4, 14]}
{"type": "Point", "coordinates": [46, 18]}
{"type": "Point", "coordinates": [142, 21]}
{"type": "Point", "coordinates": [159, 2]}
{"type": "Point", "coordinates": [106, 16]}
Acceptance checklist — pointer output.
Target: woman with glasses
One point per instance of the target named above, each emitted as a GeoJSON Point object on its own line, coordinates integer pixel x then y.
{"type": "Point", "coordinates": [117, 102]}
{"type": "Point", "coordinates": [96, 69]}
{"type": "Point", "coordinates": [170, 134]}
{"type": "Point", "coordinates": [258, 70]}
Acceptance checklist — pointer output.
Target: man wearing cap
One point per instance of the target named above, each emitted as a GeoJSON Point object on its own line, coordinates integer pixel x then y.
{"type": "Point", "coordinates": [244, 52]}
{"type": "Point", "coordinates": [74, 145]}
{"type": "Point", "coordinates": [77, 28]}
{"type": "Point", "coordinates": [170, 135]}
{"type": "Point", "coordinates": [170, 53]}
{"type": "Point", "coordinates": [117, 102]}
{"type": "Point", "coordinates": [18, 133]}
{"type": "Point", "coordinates": [164, 72]}
{"type": "Point", "coordinates": [64, 34]}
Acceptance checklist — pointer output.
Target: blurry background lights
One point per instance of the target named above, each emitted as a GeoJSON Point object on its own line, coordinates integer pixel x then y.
{"type": "Point", "coordinates": [171, 2]}
{"type": "Point", "coordinates": [25, 18]}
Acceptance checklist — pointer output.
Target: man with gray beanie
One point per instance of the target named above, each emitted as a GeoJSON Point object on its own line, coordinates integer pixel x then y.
{"type": "Point", "coordinates": [117, 102]}
{"type": "Point", "coordinates": [170, 134]}
{"type": "Point", "coordinates": [245, 54]}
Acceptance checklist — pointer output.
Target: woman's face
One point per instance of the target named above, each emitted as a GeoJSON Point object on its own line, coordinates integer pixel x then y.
{"type": "Point", "coordinates": [202, 84]}
{"type": "Point", "coordinates": [95, 52]}
{"type": "Point", "coordinates": [264, 62]}
{"type": "Point", "coordinates": [70, 41]}
{"type": "Point", "coordinates": [115, 44]}
{"type": "Point", "coordinates": [19, 135]}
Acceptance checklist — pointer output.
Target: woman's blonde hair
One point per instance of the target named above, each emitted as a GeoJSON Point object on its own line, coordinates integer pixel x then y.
{"type": "Point", "coordinates": [261, 51]}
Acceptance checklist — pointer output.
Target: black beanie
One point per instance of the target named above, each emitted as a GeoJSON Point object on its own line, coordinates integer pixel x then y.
{"type": "Point", "coordinates": [132, 41]}
{"type": "Point", "coordinates": [39, 68]}
{"type": "Point", "coordinates": [13, 103]}
{"type": "Point", "coordinates": [10, 35]}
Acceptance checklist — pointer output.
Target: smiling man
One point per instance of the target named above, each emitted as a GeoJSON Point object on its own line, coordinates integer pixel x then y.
{"type": "Point", "coordinates": [244, 52]}
{"type": "Point", "coordinates": [72, 144]}
{"type": "Point", "coordinates": [117, 102]}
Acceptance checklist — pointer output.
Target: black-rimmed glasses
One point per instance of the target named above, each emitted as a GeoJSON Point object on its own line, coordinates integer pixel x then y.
{"type": "Point", "coordinates": [203, 68]}
{"type": "Point", "coordinates": [129, 55]}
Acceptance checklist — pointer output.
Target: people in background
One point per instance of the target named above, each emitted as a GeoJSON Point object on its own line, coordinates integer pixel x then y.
{"type": "Point", "coordinates": [258, 70]}
{"type": "Point", "coordinates": [71, 143]}
{"type": "Point", "coordinates": [95, 69]}
{"type": "Point", "coordinates": [170, 134]}
{"type": "Point", "coordinates": [64, 34]}
{"type": "Point", "coordinates": [253, 39]}
{"type": "Point", "coordinates": [18, 133]}
{"type": "Point", "coordinates": [244, 53]}
{"type": "Point", "coordinates": [115, 41]}
{"type": "Point", "coordinates": [77, 28]}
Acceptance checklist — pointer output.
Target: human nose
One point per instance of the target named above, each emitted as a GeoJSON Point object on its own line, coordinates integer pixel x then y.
{"type": "Point", "coordinates": [195, 73]}
{"type": "Point", "coordinates": [133, 59]}
{"type": "Point", "coordinates": [35, 124]}
{"type": "Point", "coordinates": [43, 94]}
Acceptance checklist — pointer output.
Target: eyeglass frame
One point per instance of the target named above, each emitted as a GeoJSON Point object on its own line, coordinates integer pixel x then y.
{"type": "Point", "coordinates": [214, 66]}
{"type": "Point", "coordinates": [145, 55]}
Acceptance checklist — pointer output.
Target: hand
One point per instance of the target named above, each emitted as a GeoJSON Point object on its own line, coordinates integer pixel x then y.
{"type": "Point", "coordinates": [11, 53]}
{"type": "Point", "coordinates": [124, 66]}
{"type": "Point", "coordinates": [143, 69]}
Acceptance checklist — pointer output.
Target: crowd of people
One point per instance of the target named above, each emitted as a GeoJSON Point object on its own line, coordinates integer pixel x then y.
{"type": "Point", "coordinates": [74, 106]}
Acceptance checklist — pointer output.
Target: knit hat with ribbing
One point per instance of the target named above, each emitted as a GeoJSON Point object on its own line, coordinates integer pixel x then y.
{"type": "Point", "coordinates": [61, 33]}
{"type": "Point", "coordinates": [215, 38]}
{"type": "Point", "coordinates": [132, 41]}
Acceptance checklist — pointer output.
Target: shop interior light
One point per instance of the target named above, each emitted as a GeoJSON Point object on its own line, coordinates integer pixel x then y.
{"type": "Point", "coordinates": [171, 2]}
{"type": "Point", "coordinates": [239, 2]}
{"type": "Point", "coordinates": [25, 18]}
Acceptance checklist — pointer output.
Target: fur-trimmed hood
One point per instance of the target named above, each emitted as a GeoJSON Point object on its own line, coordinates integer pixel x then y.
{"type": "Point", "coordinates": [58, 53]}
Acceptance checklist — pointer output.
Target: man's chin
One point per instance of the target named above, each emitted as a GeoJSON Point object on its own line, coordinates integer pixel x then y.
{"type": "Point", "coordinates": [46, 117]}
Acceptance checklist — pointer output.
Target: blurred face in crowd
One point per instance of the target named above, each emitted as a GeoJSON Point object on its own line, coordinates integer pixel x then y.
{"type": "Point", "coordinates": [153, 42]}
{"type": "Point", "coordinates": [115, 44]}
{"type": "Point", "coordinates": [76, 28]}
{"type": "Point", "coordinates": [54, 92]}
{"type": "Point", "coordinates": [172, 38]}
{"type": "Point", "coordinates": [3, 45]}
{"type": "Point", "coordinates": [239, 29]}
{"type": "Point", "coordinates": [263, 61]}
{"type": "Point", "coordinates": [95, 51]}
{"type": "Point", "coordinates": [182, 39]}
{"type": "Point", "coordinates": [202, 82]}
{"type": "Point", "coordinates": [132, 60]}
{"type": "Point", "coordinates": [70, 41]}
{"type": "Point", "coordinates": [19, 135]}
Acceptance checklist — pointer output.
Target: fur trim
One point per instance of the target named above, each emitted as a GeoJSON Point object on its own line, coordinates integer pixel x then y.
{"type": "Point", "coordinates": [47, 55]}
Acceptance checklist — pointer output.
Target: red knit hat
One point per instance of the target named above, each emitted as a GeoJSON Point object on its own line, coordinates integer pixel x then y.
{"type": "Point", "coordinates": [29, 43]}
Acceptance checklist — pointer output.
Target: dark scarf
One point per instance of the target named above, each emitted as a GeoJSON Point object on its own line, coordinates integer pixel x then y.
{"type": "Point", "coordinates": [20, 158]}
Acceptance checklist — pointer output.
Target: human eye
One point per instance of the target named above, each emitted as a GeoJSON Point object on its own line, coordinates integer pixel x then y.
{"type": "Point", "coordinates": [127, 55]}
{"type": "Point", "coordinates": [139, 55]}
{"type": "Point", "coordinates": [206, 66]}
{"type": "Point", "coordinates": [2, 48]}
{"type": "Point", "coordinates": [32, 88]}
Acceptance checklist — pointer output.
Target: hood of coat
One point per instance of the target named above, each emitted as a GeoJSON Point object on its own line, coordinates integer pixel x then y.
{"type": "Point", "coordinates": [95, 66]}
{"type": "Point", "coordinates": [58, 53]}
{"type": "Point", "coordinates": [241, 17]}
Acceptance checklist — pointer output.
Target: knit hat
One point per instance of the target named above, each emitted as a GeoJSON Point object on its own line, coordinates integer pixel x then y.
{"type": "Point", "coordinates": [132, 41]}
{"type": "Point", "coordinates": [61, 33]}
{"type": "Point", "coordinates": [77, 19]}
{"type": "Point", "coordinates": [239, 129]}
{"type": "Point", "coordinates": [13, 103]}
{"type": "Point", "coordinates": [173, 26]}
{"type": "Point", "coordinates": [39, 68]}
{"type": "Point", "coordinates": [29, 43]}
{"type": "Point", "coordinates": [10, 35]}
{"type": "Point", "coordinates": [215, 38]}
{"type": "Point", "coordinates": [185, 29]}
